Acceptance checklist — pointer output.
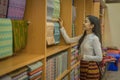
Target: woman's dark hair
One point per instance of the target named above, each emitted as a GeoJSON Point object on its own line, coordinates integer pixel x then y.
{"type": "Point", "coordinates": [96, 29]}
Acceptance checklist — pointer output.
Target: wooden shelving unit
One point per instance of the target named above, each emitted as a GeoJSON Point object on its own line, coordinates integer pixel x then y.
{"type": "Point", "coordinates": [55, 49]}
{"type": "Point", "coordinates": [36, 48]}
{"type": "Point", "coordinates": [18, 61]}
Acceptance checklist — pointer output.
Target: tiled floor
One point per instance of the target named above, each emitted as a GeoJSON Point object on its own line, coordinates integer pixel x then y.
{"type": "Point", "coordinates": [112, 75]}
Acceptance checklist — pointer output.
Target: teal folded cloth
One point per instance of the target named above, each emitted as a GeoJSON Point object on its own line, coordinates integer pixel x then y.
{"type": "Point", "coordinates": [57, 32]}
{"type": "Point", "coordinates": [6, 38]}
{"type": "Point", "coordinates": [35, 65]}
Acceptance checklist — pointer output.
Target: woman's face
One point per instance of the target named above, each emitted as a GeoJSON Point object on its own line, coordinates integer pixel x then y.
{"type": "Point", "coordinates": [87, 24]}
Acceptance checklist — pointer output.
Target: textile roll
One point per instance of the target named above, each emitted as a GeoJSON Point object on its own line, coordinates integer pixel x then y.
{"type": "Point", "coordinates": [16, 9]}
{"type": "Point", "coordinates": [6, 38]}
{"type": "Point", "coordinates": [3, 8]}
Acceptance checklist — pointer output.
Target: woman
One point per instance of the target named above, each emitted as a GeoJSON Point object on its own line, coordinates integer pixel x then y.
{"type": "Point", "coordinates": [89, 46]}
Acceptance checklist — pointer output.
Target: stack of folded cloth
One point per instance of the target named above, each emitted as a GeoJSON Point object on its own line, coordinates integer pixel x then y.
{"type": "Point", "coordinates": [35, 71]}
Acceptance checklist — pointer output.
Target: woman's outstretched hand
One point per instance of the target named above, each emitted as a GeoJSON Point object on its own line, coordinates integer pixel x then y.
{"type": "Point", "coordinates": [61, 22]}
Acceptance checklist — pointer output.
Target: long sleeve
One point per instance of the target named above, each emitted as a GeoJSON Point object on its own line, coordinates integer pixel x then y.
{"type": "Point", "coordinates": [67, 38]}
{"type": "Point", "coordinates": [97, 52]}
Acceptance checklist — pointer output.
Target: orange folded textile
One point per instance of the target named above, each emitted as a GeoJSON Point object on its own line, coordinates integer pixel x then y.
{"type": "Point", "coordinates": [35, 71]}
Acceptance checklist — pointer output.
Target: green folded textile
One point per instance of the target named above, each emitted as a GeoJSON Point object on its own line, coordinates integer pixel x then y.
{"type": "Point", "coordinates": [56, 12]}
{"type": "Point", "coordinates": [6, 38]}
{"type": "Point", "coordinates": [20, 29]}
{"type": "Point", "coordinates": [53, 9]}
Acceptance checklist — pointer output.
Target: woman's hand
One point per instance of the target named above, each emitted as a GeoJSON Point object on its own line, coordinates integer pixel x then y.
{"type": "Point", "coordinates": [61, 22]}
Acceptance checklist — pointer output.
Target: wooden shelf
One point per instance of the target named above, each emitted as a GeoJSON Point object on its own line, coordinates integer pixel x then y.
{"type": "Point", "coordinates": [55, 49]}
{"type": "Point", "coordinates": [18, 61]}
{"type": "Point", "coordinates": [63, 74]}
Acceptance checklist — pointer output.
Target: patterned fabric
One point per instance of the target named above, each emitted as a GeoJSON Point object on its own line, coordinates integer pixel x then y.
{"type": "Point", "coordinates": [53, 9]}
{"type": "Point", "coordinates": [35, 71]}
{"type": "Point", "coordinates": [3, 8]}
{"type": "Point", "coordinates": [35, 75]}
{"type": "Point", "coordinates": [35, 65]}
{"type": "Point", "coordinates": [56, 12]}
{"type": "Point", "coordinates": [18, 72]}
{"type": "Point", "coordinates": [73, 13]}
{"type": "Point", "coordinates": [16, 9]}
{"type": "Point", "coordinates": [50, 35]}
{"type": "Point", "coordinates": [6, 38]}
{"type": "Point", "coordinates": [57, 32]}
{"type": "Point", "coordinates": [6, 77]}
{"type": "Point", "coordinates": [20, 76]}
{"type": "Point", "coordinates": [20, 34]}
{"type": "Point", "coordinates": [73, 30]}
{"type": "Point", "coordinates": [89, 70]}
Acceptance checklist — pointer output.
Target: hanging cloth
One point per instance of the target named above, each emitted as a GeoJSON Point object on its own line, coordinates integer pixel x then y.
{"type": "Point", "coordinates": [20, 28]}
{"type": "Point", "coordinates": [16, 9]}
{"type": "Point", "coordinates": [6, 38]}
{"type": "Point", "coordinates": [3, 8]}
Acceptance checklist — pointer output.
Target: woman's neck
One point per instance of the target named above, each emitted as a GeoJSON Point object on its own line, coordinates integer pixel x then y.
{"type": "Point", "coordinates": [89, 32]}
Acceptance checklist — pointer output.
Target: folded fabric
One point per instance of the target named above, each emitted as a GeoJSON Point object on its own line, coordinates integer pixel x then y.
{"type": "Point", "coordinates": [73, 13]}
{"type": "Point", "coordinates": [53, 9]}
{"type": "Point", "coordinates": [6, 77]}
{"type": "Point", "coordinates": [39, 77]}
{"type": "Point", "coordinates": [113, 51]}
{"type": "Point", "coordinates": [56, 12]}
{"type": "Point", "coordinates": [20, 76]}
{"type": "Point", "coordinates": [57, 32]}
{"type": "Point", "coordinates": [50, 33]}
{"type": "Point", "coordinates": [6, 38]}
{"type": "Point", "coordinates": [35, 65]}
{"type": "Point", "coordinates": [25, 77]}
{"type": "Point", "coordinates": [50, 9]}
{"type": "Point", "coordinates": [3, 8]}
{"type": "Point", "coordinates": [16, 9]}
{"type": "Point", "coordinates": [20, 29]}
{"type": "Point", "coordinates": [35, 75]}
{"type": "Point", "coordinates": [35, 71]}
{"type": "Point", "coordinates": [17, 72]}
{"type": "Point", "coordinates": [73, 30]}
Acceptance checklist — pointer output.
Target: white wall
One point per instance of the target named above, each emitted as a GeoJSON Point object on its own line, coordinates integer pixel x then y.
{"type": "Point", "coordinates": [112, 30]}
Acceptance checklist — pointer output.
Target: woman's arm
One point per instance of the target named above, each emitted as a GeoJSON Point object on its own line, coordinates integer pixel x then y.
{"type": "Point", "coordinates": [65, 35]}
{"type": "Point", "coordinates": [67, 38]}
